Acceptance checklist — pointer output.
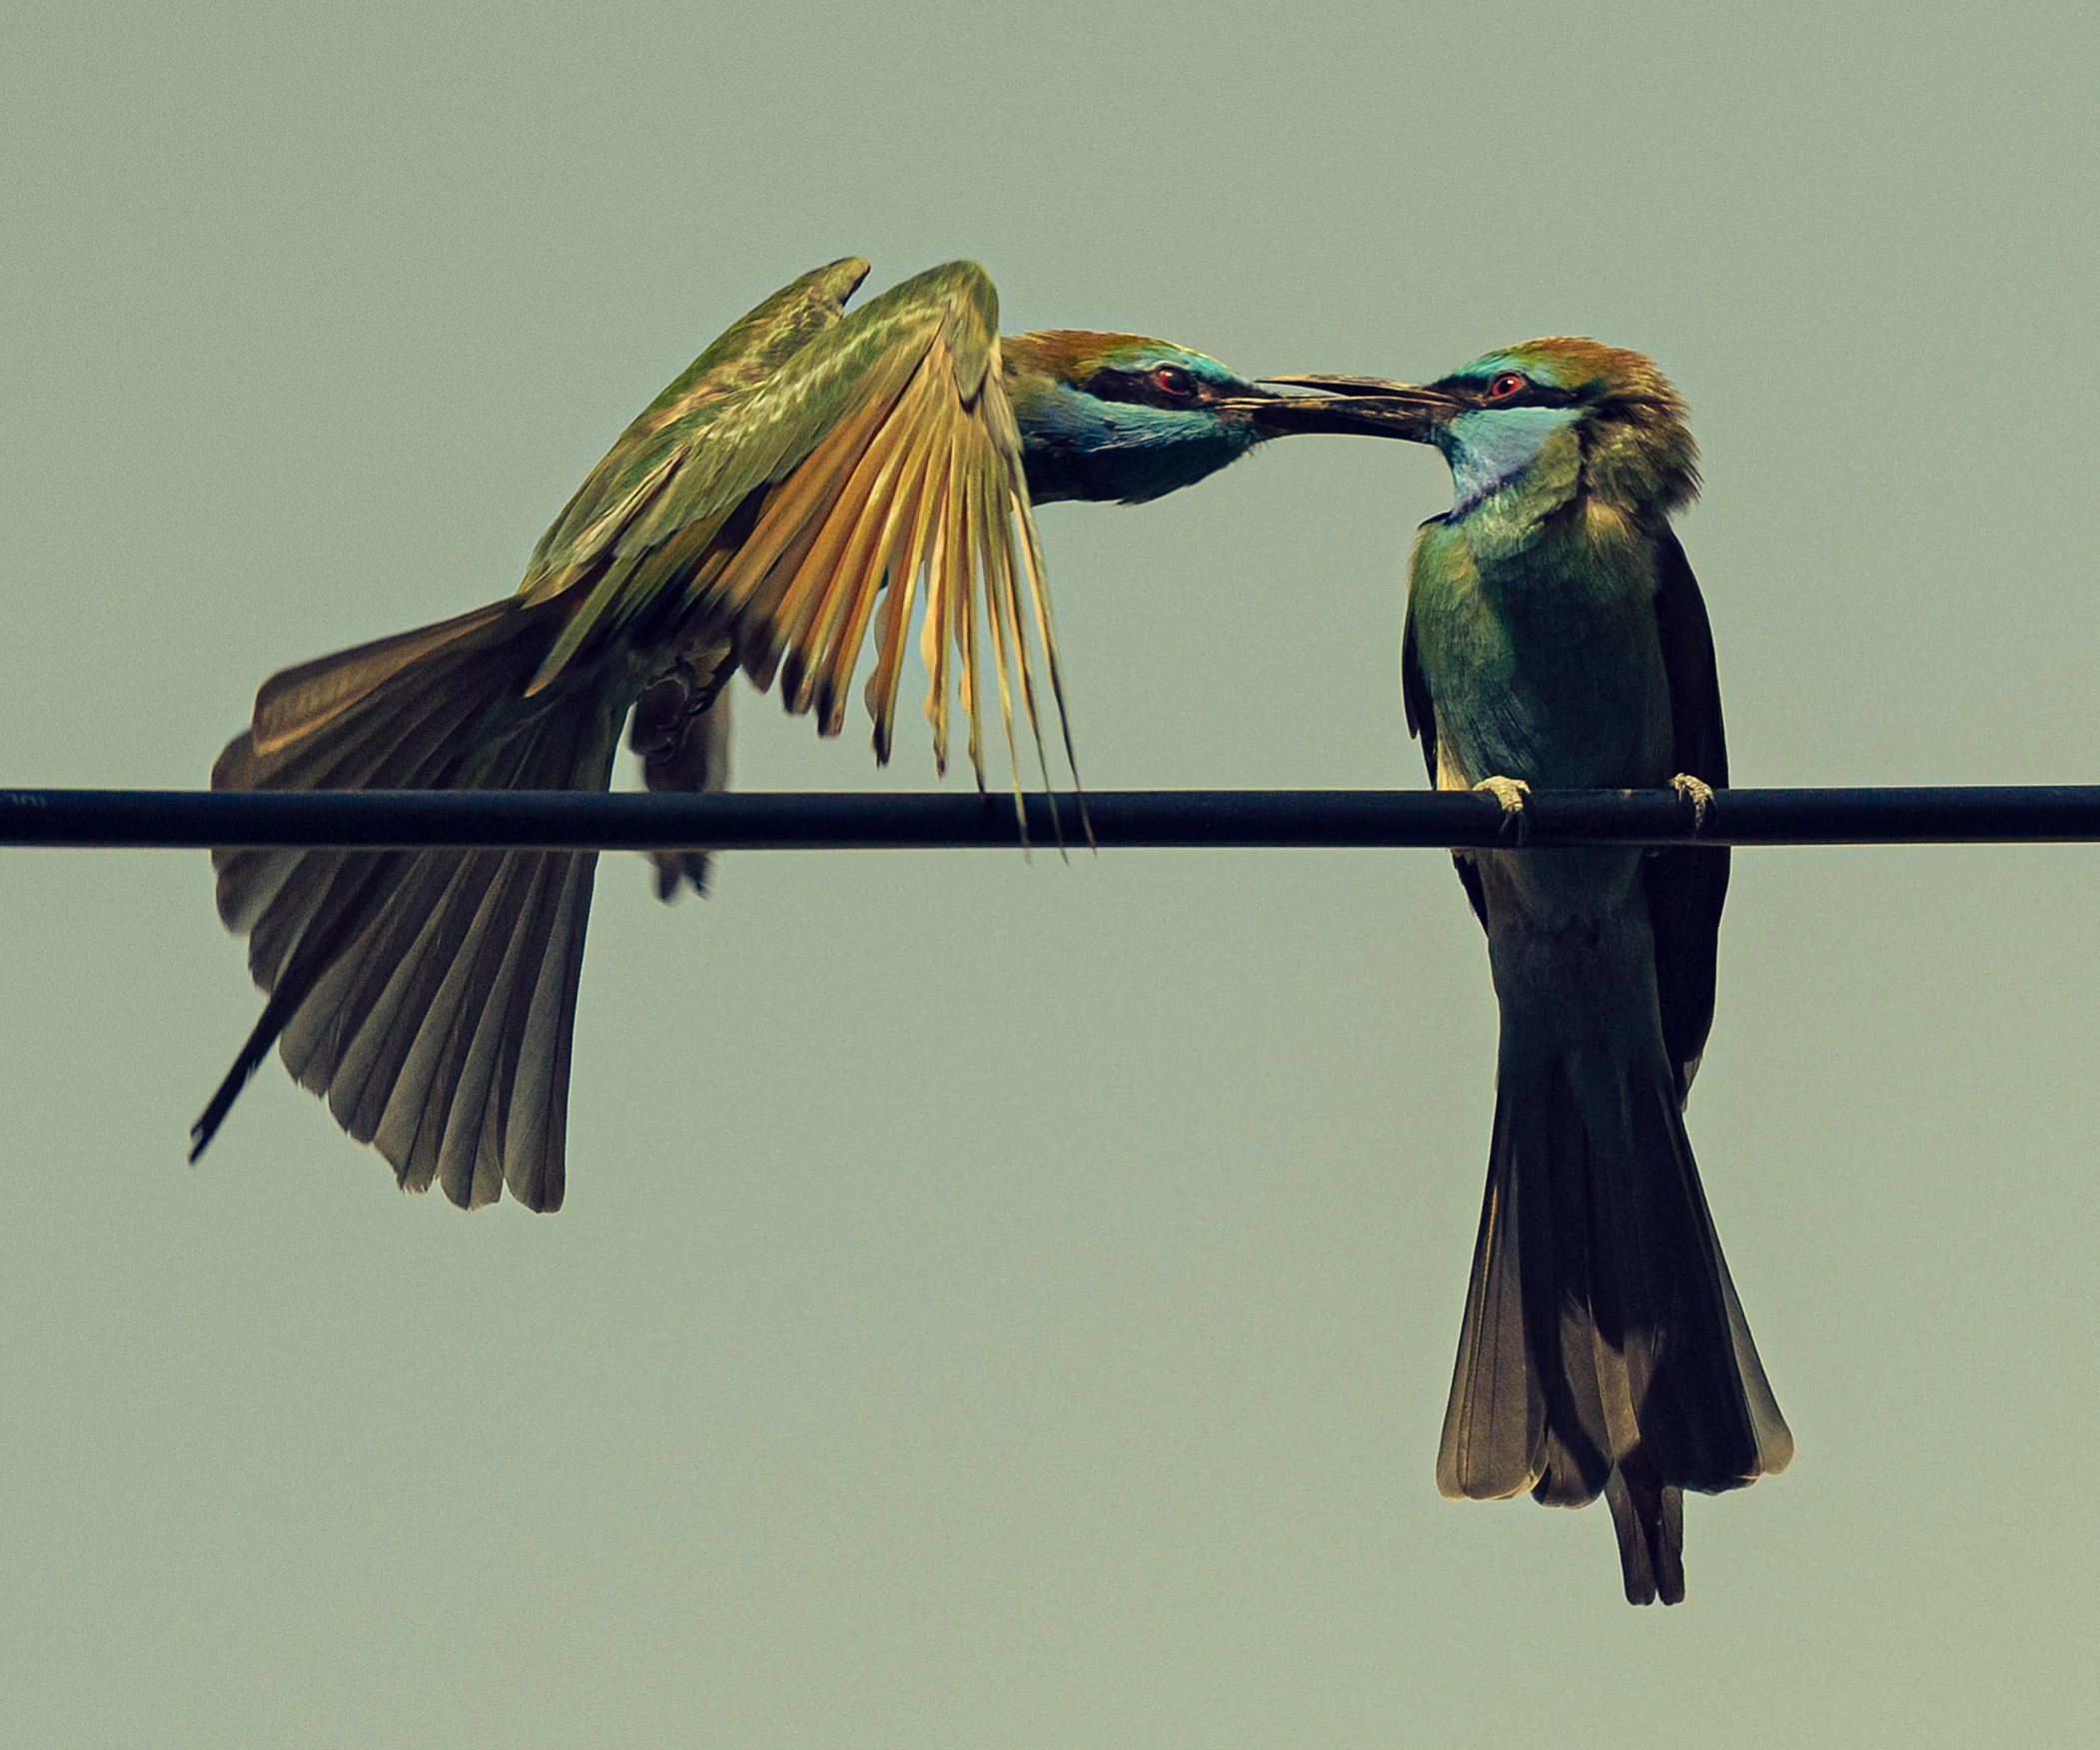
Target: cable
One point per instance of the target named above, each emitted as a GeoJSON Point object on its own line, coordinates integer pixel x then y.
{"type": "Point", "coordinates": [822, 820]}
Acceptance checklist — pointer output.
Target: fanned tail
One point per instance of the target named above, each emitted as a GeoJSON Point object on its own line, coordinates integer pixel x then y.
{"type": "Point", "coordinates": [430, 996]}
{"type": "Point", "coordinates": [1604, 1348]}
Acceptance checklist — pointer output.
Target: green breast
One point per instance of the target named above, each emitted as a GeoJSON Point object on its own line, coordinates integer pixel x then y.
{"type": "Point", "coordinates": [1540, 652]}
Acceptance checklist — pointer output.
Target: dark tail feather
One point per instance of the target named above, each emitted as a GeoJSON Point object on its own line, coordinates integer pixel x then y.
{"type": "Point", "coordinates": [260, 1038]}
{"type": "Point", "coordinates": [428, 995]}
{"type": "Point", "coordinates": [1649, 1517]}
{"type": "Point", "coordinates": [284, 1001]}
{"type": "Point", "coordinates": [1604, 1348]}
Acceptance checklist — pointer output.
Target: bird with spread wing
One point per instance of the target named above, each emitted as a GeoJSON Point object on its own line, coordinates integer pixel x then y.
{"type": "Point", "coordinates": [806, 487]}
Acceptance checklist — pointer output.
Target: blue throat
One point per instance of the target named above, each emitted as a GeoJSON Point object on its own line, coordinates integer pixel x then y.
{"type": "Point", "coordinates": [1077, 446]}
{"type": "Point", "coordinates": [1490, 448]}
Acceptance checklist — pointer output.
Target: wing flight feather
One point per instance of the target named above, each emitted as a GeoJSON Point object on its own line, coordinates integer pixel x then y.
{"type": "Point", "coordinates": [880, 455]}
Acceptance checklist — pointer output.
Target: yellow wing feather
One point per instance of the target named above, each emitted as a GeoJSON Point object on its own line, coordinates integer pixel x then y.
{"type": "Point", "coordinates": [917, 492]}
{"type": "Point", "coordinates": [914, 485]}
{"type": "Point", "coordinates": [927, 553]}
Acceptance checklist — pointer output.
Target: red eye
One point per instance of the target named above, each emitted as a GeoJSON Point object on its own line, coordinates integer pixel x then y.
{"type": "Point", "coordinates": [1172, 380]}
{"type": "Point", "coordinates": [1508, 385]}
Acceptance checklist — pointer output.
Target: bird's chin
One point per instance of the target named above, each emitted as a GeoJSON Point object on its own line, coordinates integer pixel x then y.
{"type": "Point", "coordinates": [1133, 472]}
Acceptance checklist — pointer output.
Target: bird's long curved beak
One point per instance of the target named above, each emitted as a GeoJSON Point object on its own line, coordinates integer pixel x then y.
{"type": "Point", "coordinates": [1372, 406]}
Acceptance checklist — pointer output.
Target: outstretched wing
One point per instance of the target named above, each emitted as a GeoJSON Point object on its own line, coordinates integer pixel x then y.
{"type": "Point", "coordinates": [1687, 885]}
{"type": "Point", "coordinates": [877, 454]}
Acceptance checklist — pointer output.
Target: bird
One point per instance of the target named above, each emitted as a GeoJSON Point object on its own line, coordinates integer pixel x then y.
{"type": "Point", "coordinates": [793, 495]}
{"type": "Point", "coordinates": [1554, 636]}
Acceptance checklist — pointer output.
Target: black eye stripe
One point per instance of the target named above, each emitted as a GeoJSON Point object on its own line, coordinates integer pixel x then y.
{"type": "Point", "coordinates": [1110, 384]}
{"type": "Point", "coordinates": [1532, 395]}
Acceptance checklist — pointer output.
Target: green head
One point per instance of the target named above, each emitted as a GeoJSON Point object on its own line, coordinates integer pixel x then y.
{"type": "Point", "coordinates": [1576, 414]}
{"type": "Point", "coordinates": [1130, 418]}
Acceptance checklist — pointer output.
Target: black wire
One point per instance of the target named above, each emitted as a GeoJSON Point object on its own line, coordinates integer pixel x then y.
{"type": "Point", "coordinates": [819, 820]}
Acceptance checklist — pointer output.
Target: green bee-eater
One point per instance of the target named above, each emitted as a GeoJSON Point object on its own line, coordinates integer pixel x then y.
{"type": "Point", "coordinates": [804, 482]}
{"type": "Point", "coordinates": [1556, 637]}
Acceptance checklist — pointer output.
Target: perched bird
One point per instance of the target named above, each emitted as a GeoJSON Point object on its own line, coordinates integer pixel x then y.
{"type": "Point", "coordinates": [1554, 636]}
{"type": "Point", "coordinates": [794, 493]}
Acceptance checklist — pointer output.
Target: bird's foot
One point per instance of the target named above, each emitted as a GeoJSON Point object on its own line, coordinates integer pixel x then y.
{"type": "Point", "coordinates": [1511, 793]}
{"type": "Point", "coordinates": [1695, 791]}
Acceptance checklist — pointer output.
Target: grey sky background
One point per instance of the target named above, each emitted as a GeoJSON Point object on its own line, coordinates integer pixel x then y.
{"type": "Point", "coordinates": [1009, 1303]}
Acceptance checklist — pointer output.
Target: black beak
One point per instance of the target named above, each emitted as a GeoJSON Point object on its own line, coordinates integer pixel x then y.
{"type": "Point", "coordinates": [1369, 406]}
